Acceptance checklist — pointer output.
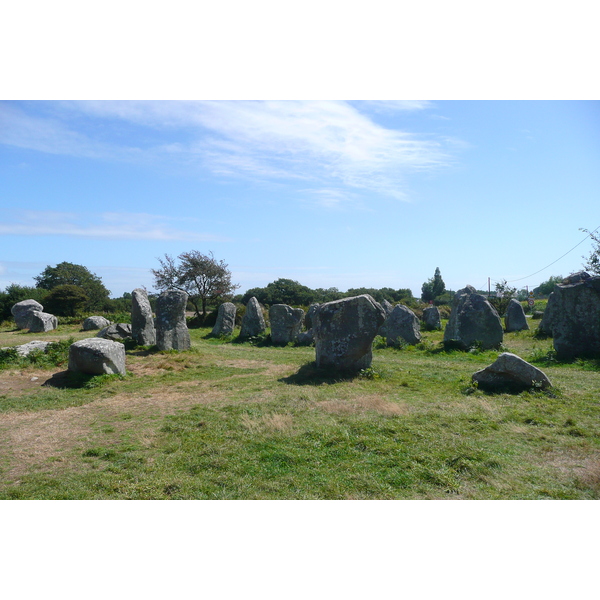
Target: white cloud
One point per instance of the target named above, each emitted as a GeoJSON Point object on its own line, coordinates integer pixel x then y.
{"type": "Point", "coordinates": [325, 143]}
{"type": "Point", "coordinates": [107, 226]}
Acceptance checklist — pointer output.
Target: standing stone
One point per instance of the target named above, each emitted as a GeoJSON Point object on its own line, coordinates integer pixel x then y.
{"type": "Point", "coordinates": [308, 319]}
{"type": "Point", "coordinates": [344, 331]}
{"type": "Point", "coordinates": [286, 323]}
{"type": "Point", "coordinates": [253, 322]}
{"type": "Point", "coordinates": [96, 356]}
{"type": "Point", "coordinates": [171, 328]}
{"type": "Point", "coordinates": [142, 321]}
{"type": "Point", "coordinates": [432, 318]}
{"type": "Point", "coordinates": [473, 320]}
{"type": "Point", "coordinates": [40, 321]}
{"type": "Point", "coordinates": [21, 311]}
{"type": "Point", "coordinates": [550, 312]}
{"type": "Point", "coordinates": [95, 322]}
{"type": "Point", "coordinates": [402, 326]}
{"type": "Point", "coordinates": [225, 319]}
{"type": "Point", "coordinates": [388, 307]}
{"type": "Point", "coordinates": [515, 319]}
{"type": "Point", "coordinates": [511, 373]}
{"type": "Point", "coordinates": [576, 320]}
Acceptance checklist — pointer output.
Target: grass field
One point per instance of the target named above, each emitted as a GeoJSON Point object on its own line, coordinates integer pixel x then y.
{"type": "Point", "coordinates": [229, 420]}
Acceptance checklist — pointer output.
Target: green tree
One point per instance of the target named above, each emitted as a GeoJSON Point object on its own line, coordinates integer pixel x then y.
{"type": "Point", "coordinates": [66, 300]}
{"type": "Point", "coordinates": [433, 287]}
{"type": "Point", "coordinates": [201, 276]}
{"type": "Point", "coordinates": [282, 291]}
{"type": "Point", "coordinates": [593, 260]}
{"type": "Point", "coordinates": [547, 287]}
{"type": "Point", "coordinates": [67, 273]}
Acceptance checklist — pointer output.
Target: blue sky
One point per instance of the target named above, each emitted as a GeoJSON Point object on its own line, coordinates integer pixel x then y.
{"type": "Point", "coordinates": [329, 193]}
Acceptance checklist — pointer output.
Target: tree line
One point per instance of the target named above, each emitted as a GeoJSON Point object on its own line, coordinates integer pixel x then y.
{"type": "Point", "coordinates": [69, 289]}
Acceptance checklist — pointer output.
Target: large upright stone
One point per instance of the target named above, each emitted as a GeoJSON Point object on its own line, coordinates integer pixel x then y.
{"type": "Point", "coordinates": [308, 319]}
{"type": "Point", "coordinates": [142, 321]}
{"type": "Point", "coordinates": [21, 311]}
{"type": "Point", "coordinates": [225, 319]}
{"type": "Point", "coordinates": [550, 313]}
{"type": "Point", "coordinates": [402, 326]}
{"type": "Point", "coordinates": [432, 318]}
{"type": "Point", "coordinates": [511, 373]}
{"type": "Point", "coordinates": [171, 329]}
{"type": "Point", "coordinates": [344, 331]}
{"type": "Point", "coordinates": [388, 307]}
{"type": "Point", "coordinates": [473, 321]}
{"type": "Point", "coordinates": [40, 321]}
{"type": "Point", "coordinates": [96, 356]}
{"type": "Point", "coordinates": [576, 320]}
{"type": "Point", "coordinates": [286, 323]}
{"type": "Point", "coordinates": [253, 322]}
{"type": "Point", "coordinates": [515, 319]}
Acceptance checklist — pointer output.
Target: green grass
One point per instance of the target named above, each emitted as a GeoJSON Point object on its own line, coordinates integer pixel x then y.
{"type": "Point", "coordinates": [242, 421]}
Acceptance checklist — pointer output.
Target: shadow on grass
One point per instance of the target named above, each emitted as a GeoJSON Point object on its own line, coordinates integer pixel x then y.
{"type": "Point", "coordinates": [310, 374]}
{"type": "Point", "coordinates": [76, 380]}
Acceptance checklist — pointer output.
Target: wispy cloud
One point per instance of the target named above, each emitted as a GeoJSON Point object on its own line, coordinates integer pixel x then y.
{"type": "Point", "coordinates": [328, 144]}
{"type": "Point", "coordinates": [105, 226]}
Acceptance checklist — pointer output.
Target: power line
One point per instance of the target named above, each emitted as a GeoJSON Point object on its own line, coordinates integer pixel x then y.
{"type": "Point", "coordinates": [571, 250]}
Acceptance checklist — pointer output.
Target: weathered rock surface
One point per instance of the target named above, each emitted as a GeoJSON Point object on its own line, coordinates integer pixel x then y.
{"type": "Point", "coordinates": [515, 319]}
{"type": "Point", "coordinates": [96, 356]}
{"type": "Point", "coordinates": [388, 307]}
{"type": "Point", "coordinates": [142, 320]}
{"type": "Point", "coordinates": [305, 338]}
{"type": "Point", "coordinates": [21, 311]}
{"type": "Point", "coordinates": [95, 322]}
{"type": "Point", "coordinates": [575, 318]}
{"type": "Point", "coordinates": [286, 323]}
{"type": "Point", "coordinates": [473, 321]}
{"type": "Point", "coordinates": [344, 331]}
{"type": "Point", "coordinates": [25, 349]}
{"type": "Point", "coordinates": [402, 326]}
{"type": "Point", "coordinates": [171, 328]}
{"type": "Point", "coordinates": [40, 321]}
{"type": "Point", "coordinates": [432, 318]}
{"type": "Point", "coordinates": [308, 319]}
{"type": "Point", "coordinates": [115, 332]}
{"type": "Point", "coordinates": [225, 319]}
{"type": "Point", "coordinates": [550, 311]}
{"type": "Point", "coordinates": [510, 373]}
{"type": "Point", "coordinates": [253, 322]}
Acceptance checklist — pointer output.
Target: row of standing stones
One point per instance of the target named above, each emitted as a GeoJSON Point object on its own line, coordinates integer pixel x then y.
{"type": "Point", "coordinates": [343, 330]}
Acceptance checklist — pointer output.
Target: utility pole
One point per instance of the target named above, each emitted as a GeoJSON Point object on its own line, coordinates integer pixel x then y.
{"type": "Point", "coordinates": [489, 292]}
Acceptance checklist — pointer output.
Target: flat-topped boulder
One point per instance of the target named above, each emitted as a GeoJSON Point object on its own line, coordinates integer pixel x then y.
{"type": "Point", "coordinates": [253, 322]}
{"type": "Point", "coordinates": [95, 322]}
{"type": "Point", "coordinates": [171, 328]}
{"type": "Point", "coordinates": [32, 346]}
{"type": "Point", "coordinates": [225, 323]}
{"type": "Point", "coordinates": [96, 356]}
{"type": "Point", "coordinates": [510, 373]}
{"type": "Point", "coordinates": [142, 320]}
{"type": "Point", "coordinates": [402, 327]}
{"type": "Point", "coordinates": [286, 323]}
{"type": "Point", "coordinates": [40, 321]}
{"type": "Point", "coordinates": [21, 311]}
{"type": "Point", "coordinates": [473, 322]}
{"type": "Point", "coordinates": [515, 319]}
{"type": "Point", "coordinates": [344, 331]}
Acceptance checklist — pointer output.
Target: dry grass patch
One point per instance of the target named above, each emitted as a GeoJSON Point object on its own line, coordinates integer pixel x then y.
{"type": "Point", "coordinates": [268, 423]}
{"type": "Point", "coordinates": [363, 404]}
